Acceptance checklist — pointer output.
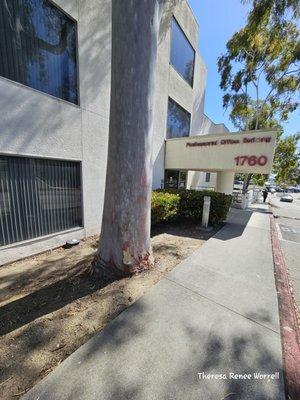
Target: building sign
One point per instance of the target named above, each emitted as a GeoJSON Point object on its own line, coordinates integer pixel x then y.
{"type": "Point", "coordinates": [239, 152]}
{"type": "Point", "coordinates": [264, 139]}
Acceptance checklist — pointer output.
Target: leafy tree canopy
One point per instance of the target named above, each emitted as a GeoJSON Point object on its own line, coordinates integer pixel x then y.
{"type": "Point", "coordinates": [287, 161]}
{"type": "Point", "coordinates": [264, 54]}
{"type": "Point", "coordinates": [260, 71]}
{"type": "Point", "coordinates": [272, 11]}
{"type": "Point", "coordinates": [259, 179]}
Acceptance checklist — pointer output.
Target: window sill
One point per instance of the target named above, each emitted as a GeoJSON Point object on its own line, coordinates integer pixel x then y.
{"type": "Point", "coordinates": [39, 238]}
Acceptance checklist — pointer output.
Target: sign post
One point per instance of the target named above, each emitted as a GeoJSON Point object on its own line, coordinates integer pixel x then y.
{"type": "Point", "coordinates": [205, 212]}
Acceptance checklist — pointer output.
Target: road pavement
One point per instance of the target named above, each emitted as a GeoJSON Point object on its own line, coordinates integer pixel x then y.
{"type": "Point", "coordinates": [288, 226]}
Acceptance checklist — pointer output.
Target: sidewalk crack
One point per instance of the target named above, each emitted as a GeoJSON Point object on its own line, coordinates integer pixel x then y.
{"type": "Point", "coordinates": [223, 306]}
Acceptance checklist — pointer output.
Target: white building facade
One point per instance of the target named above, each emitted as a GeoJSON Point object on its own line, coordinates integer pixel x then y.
{"type": "Point", "coordinates": [54, 101]}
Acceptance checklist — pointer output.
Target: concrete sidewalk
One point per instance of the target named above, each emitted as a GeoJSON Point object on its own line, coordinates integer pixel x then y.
{"type": "Point", "coordinates": [215, 313]}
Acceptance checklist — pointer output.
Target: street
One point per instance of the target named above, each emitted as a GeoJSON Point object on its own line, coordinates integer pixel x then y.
{"type": "Point", "coordinates": [288, 226]}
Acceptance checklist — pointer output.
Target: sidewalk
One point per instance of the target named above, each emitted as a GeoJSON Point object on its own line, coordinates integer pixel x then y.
{"type": "Point", "coordinates": [215, 313]}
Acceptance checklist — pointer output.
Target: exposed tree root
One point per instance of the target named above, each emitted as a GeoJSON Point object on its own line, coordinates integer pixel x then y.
{"type": "Point", "coordinates": [99, 269]}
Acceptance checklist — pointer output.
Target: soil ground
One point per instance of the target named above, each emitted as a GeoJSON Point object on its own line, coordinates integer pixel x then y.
{"type": "Point", "coordinates": [50, 306]}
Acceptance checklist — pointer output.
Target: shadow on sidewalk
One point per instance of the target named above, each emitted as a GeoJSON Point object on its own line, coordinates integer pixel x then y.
{"type": "Point", "coordinates": [237, 222]}
{"type": "Point", "coordinates": [244, 352]}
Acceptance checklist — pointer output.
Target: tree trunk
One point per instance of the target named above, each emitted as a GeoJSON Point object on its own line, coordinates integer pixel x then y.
{"type": "Point", "coordinates": [247, 179]}
{"type": "Point", "coordinates": [125, 246]}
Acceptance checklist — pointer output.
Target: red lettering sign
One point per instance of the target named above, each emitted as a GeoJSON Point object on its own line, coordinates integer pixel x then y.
{"type": "Point", "coordinates": [230, 141]}
{"type": "Point", "coordinates": [251, 160]}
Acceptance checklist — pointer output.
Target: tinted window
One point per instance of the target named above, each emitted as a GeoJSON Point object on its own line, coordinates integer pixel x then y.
{"type": "Point", "coordinates": [175, 179]}
{"type": "Point", "coordinates": [171, 179]}
{"type": "Point", "coordinates": [207, 177]}
{"type": "Point", "coordinates": [182, 53]}
{"type": "Point", "coordinates": [38, 47]}
{"type": "Point", "coordinates": [182, 180]}
{"type": "Point", "coordinates": [38, 197]}
{"type": "Point", "coordinates": [178, 121]}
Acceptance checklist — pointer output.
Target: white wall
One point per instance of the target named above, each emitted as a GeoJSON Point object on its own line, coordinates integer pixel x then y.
{"type": "Point", "coordinates": [208, 127]}
{"type": "Point", "coordinates": [170, 84]}
{"type": "Point", "coordinates": [35, 124]}
{"type": "Point", "coordinates": [205, 126]}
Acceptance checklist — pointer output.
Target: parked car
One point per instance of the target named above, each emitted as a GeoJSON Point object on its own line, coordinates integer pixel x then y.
{"type": "Point", "coordinates": [287, 198]}
{"type": "Point", "coordinates": [290, 189]}
{"type": "Point", "coordinates": [279, 189]}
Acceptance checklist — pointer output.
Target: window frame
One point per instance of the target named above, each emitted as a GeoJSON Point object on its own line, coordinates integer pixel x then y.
{"type": "Point", "coordinates": [191, 84]}
{"type": "Point", "coordinates": [76, 53]}
{"type": "Point", "coordinates": [59, 232]}
{"type": "Point", "coordinates": [178, 172]}
{"type": "Point", "coordinates": [77, 104]}
{"type": "Point", "coordinates": [183, 109]}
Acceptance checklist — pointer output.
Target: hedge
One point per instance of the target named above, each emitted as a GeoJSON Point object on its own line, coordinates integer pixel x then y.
{"type": "Point", "coordinates": [164, 207]}
{"type": "Point", "coordinates": [181, 204]}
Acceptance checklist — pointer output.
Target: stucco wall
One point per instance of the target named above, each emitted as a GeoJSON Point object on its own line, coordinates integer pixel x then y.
{"type": "Point", "coordinates": [204, 126]}
{"type": "Point", "coordinates": [170, 84]}
{"type": "Point", "coordinates": [36, 124]}
{"type": "Point", "coordinates": [207, 126]}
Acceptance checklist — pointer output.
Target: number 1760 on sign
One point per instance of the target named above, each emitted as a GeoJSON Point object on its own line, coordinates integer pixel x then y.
{"type": "Point", "coordinates": [251, 160]}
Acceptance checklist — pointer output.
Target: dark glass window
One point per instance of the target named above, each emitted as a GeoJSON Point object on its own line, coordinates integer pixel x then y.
{"type": "Point", "coordinates": [38, 47]}
{"type": "Point", "coordinates": [182, 53]}
{"type": "Point", "coordinates": [175, 179]}
{"type": "Point", "coordinates": [182, 180]}
{"type": "Point", "coordinates": [38, 197]}
{"type": "Point", "coordinates": [178, 121]}
{"type": "Point", "coordinates": [207, 177]}
{"type": "Point", "coordinates": [171, 179]}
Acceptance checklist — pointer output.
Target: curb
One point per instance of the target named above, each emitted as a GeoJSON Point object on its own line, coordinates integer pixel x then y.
{"type": "Point", "coordinates": [290, 332]}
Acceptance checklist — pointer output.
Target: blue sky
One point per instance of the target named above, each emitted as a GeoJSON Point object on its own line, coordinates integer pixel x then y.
{"type": "Point", "coordinates": [218, 20]}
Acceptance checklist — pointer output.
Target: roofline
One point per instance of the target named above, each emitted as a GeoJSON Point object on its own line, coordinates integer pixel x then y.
{"type": "Point", "coordinates": [193, 14]}
{"type": "Point", "coordinates": [215, 123]}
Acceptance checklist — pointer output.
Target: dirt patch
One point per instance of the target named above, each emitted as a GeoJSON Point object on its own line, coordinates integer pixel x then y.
{"type": "Point", "coordinates": [49, 305]}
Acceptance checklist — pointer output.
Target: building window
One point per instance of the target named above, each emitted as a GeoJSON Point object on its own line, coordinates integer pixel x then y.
{"type": "Point", "coordinates": [182, 53]}
{"type": "Point", "coordinates": [182, 179]}
{"type": "Point", "coordinates": [38, 197]}
{"type": "Point", "coordinates": [207, 177]}
{"type": "Point", "coordinates": [38, 47]}
{"type": "Point", "coordinates": [175, 179]}
{"type": "Point", "coordinates": [178, 121]}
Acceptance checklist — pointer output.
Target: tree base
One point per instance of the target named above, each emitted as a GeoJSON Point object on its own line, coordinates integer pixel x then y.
{"type": "Point", "coordinates": [101, 270]}
{"type": "Point", "coordinates": [108, 272]}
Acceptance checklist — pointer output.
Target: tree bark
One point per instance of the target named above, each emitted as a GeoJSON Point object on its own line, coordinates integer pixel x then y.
{"type": "Point", "coordinates": [125, 246]}
{"type": "Point", "coordinates": [246, 184]}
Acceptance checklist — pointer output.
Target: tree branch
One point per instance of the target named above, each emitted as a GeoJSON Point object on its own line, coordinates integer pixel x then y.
{"type": "Point", "coordinates": [273, 88]}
